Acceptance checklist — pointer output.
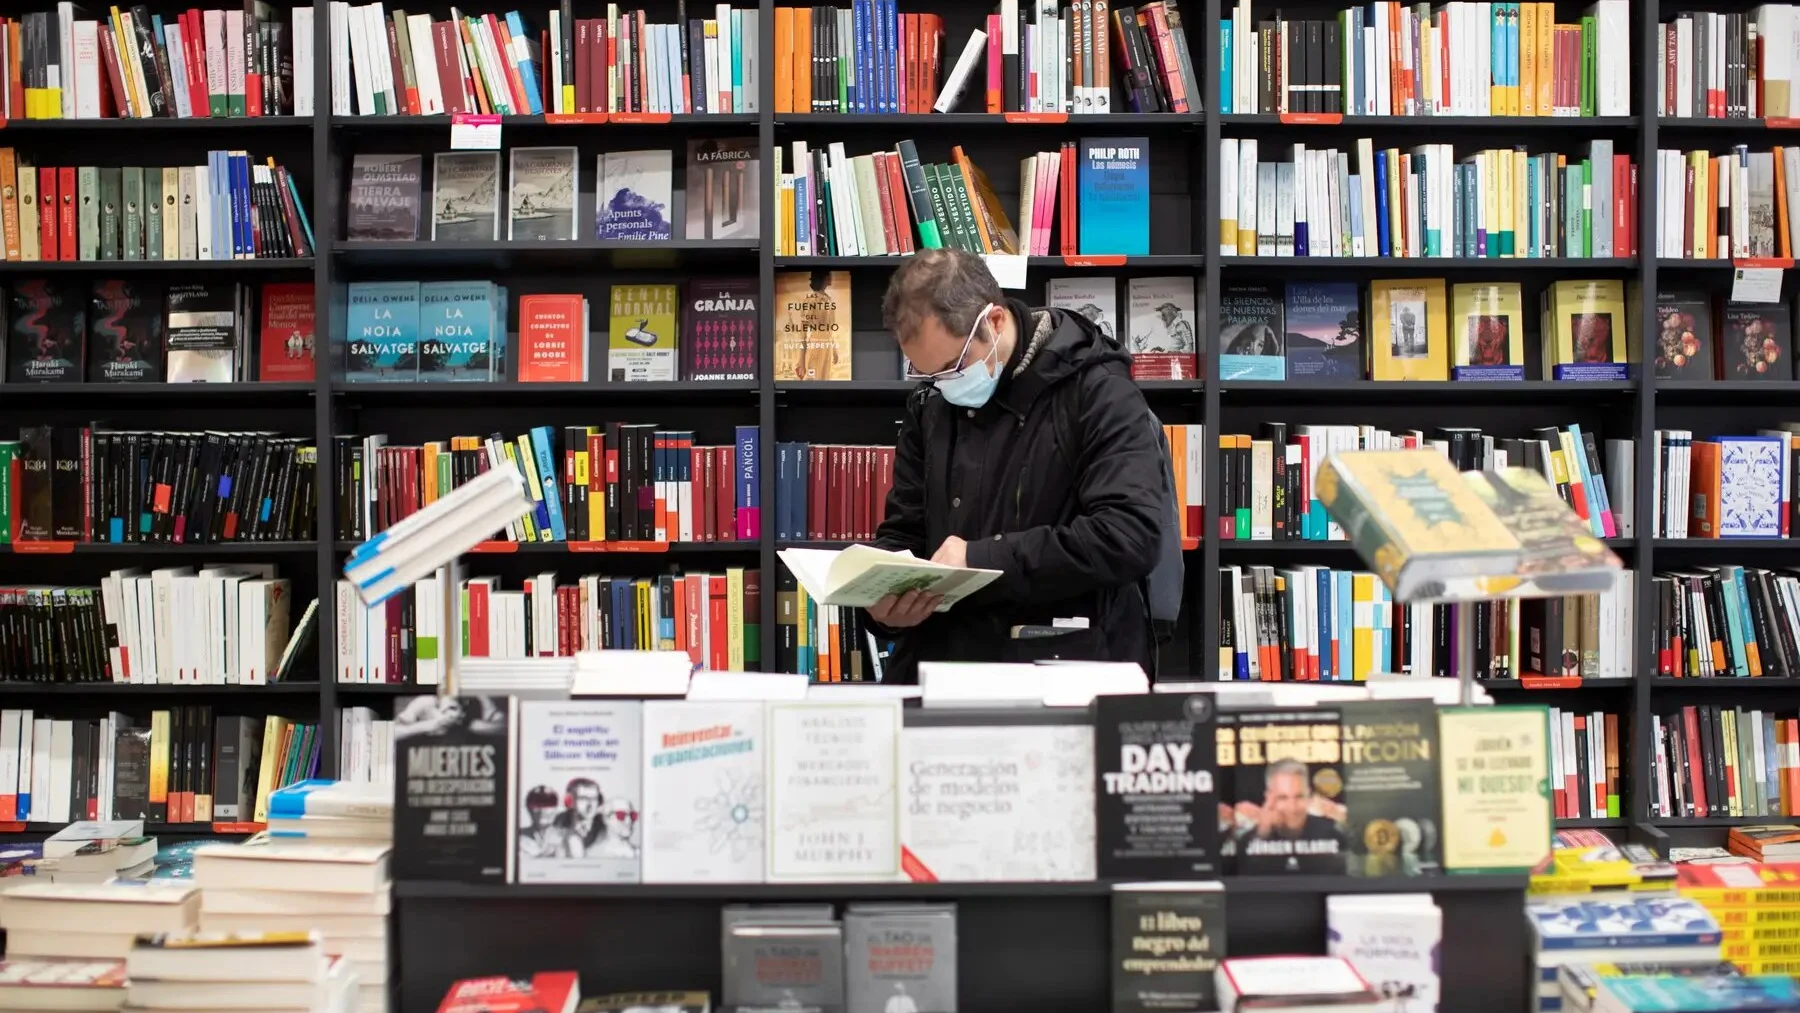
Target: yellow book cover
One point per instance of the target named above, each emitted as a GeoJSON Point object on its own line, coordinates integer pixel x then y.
{"type": "Point", "coordinates": [1408, 333]}
{"type": "Point", "coordinates": [1487, 326]}
{"type": "Point", "coordinates": [273, 729]}
{"type": "Point", "coordinates": [1546, 74]}
{"type": "Point", "coordinates": [734, 617]}
{"type": "Point", "coordinates": [1362, 627]}
{"type": "Point", "coordinates": [1396, 210]}
{"type": "Point", "coordinates": [1495, 823]}
{"type": "Point", "coordinates": [812, 325]}
{"type": "Point", "coordinates": [642, 330]}
{"type": "Point", "coordinates": [1584, 331]}
{"type": "Point", "coordinates": [159, 757]}
{"type": "Point", "coordinates": [1528, 67]}
{"type": "Point", "coordinates": [528, 522]}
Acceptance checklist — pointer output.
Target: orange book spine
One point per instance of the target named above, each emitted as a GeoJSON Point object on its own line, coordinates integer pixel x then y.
{"type": "Point", "coordinates": [784, 60]}
{"type": "Point", "coordinates": [9, 201]}
{"type": "Point", "coordinates": [803, 57]}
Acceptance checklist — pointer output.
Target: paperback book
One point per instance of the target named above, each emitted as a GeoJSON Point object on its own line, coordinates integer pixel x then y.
{"type": "Point", "coordinates": [1684, 336]}
{"type": "Point", "coordinates": [642, 334]}
{"type": "Point", "coordinates": [1288, 810]}
{"type": "Point", "coordinates": [46, 333]}
{"type": "Point", "coordinates": [202, 331]}
{"type": "Point", "coordinates": [465, 196]}
{"type": "Point", "coordinates": [1097, 299]}
{"type": "Point", "coordinates": [834, 805]}
{"type": "Point", "coordinates": [1252, 329]}
{"type": "Point", "coordinates": [457, 323]}
{"type": "Point", "coordinates": [1487, 339]}
{"type": "Point", "coordinates": [288, 338]}
{"type": "Point", "coordinates": [1324, 330]}
{"type": "Point", "coordinates": [635, 195]}
{"type": "Point", "coordinates": [382, 331]}
{"type": "Point", "coordinates": [384, 197]}
{"type": "Point", "coordinates": [541, 194]}
{"type": "Point", "coordinates": [1159, 331]}
{"type": "Point", "coordinates": [1167, 939]}
{"type": "Point", "coordinates": [704, 809]}
{"type": "Point", "coordinates": [454, 814]}
{"type": "Point", "coordinates": [1390, 769]}
{"type": "Point", "coordinates": [722, 189]}
{"type": "Point", "coordinates": [900, 957]}
{"type": "Point", "coordinates": [125, 334]}
{"type": "Point", "coordinates": [1113, 184]}
{"type": "Point", "coordinates": [718, 329]}
{"type": "Point", "coordinates": [1156, 791]}
{"type": "Point", "coordinates": [812, 325]}
{"type": "Point", "coordinates": [579, 780]}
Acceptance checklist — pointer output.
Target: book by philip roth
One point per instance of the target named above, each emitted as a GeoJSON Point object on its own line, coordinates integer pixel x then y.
{"type": "Point", "coordinates": [579, 785]}
{"type": "Point", "coordinates": [1097, 299]}
{"type": "Point", "coordinates": [704, 818]}
{"type": "Point", "coordinates": [1287, 783]}
{"type": "Point", "coordinates": [456, 331]}
{"type": "Point", "coordinates": [1252, 333]}
{"type": "Point", "coordinates": [541, 194]}
{"type": "Point", "coordinates": [784, 966]}
{"type": "Point", "coordinates": [1390, 768]}
{"type": "Point", "coordinates": [812, 325]}
{"type": "Point", "coordinates": [465, 196]}
{"type": "Point", "coordinates": [1159, 328]}
{"type": "Point", "coordinates": [641, 343]}
{"type": "Point", "coordinates": [383, 332]}
{"type": "Point", "coordinates": [453, 816]}
{"type": "Point", "coordinates": [125, 335]}
{"type": "Point", "coordinates": [1167, 939]}
{"type": "Point", "coordinates": [722, 199]}
{"type": "Point", "coordinates": [1324, 330]}
{"type": "Point", "coordinates": [1155, 787]}
{"type": "Point", "coordinates": [635, 195]}
{"type": "Point", "coordinates": [1113, 180]}
{"type": "Point", "coordinates": [47, 333]}
{"type": "Point", "coordinates": [718, 329]}
{"type": "Point", "coordinates": [900, 957]}
{"type": "Point", "coordinates": [384, 197]}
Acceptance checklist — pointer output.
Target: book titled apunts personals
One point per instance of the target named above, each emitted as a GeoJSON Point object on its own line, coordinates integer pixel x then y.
{"type": "Point", "coordinates": [1155, 768]}
{"type": "Point", "coordinates": [452, 813]}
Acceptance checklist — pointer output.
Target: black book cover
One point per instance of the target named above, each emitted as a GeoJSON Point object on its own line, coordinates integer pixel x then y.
{"type": "Point", "coordinates": [1390, 750]}
{"type": "Point", "coordinates": [1155, 782]}
{"type": "Point", "coordinates": [718, 339]}
{"type": "Point", "coordinates": [1166, 944]}
{"type": "Point", "coordinates": [35, 457]}
{"type": "Point", "coordinates": [131, 773]}
{"type": "Point", "coordinates": [1288, 815]}
{"type": "Point", "coordinates": [1684, 338]}
{"type": "Point", "coordinates": [451, 810]}
{"type": "Point", "coordinates": [65, 484]}
{"type": "Point", "coordinates": [47, 334]}
{"type": "Point", "coordinates": [125, 333]}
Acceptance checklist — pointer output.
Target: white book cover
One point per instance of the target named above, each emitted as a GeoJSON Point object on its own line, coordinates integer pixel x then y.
{"type": "Point", "coordinates": [1392, 940]}
{"type": "Point", "coordinates": [997, 804]}
{"type": "Point", "coordinates": [704, 819]}
{"type": "Point", "coordinates": [1160, 315]}
{"type": "Point", "coordinates": [1094, 298]}
{"type": "Point", "coordinates": [833, 799]}
{"type": "Point", "coordinates": [579, 783]}
{"type": "Point", "coordinates": [635, 195]}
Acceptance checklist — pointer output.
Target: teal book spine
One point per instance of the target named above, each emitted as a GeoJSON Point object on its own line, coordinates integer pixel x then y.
{"type": "Point", "coordinates": [456, 328]}
{"type": "Point", "coordinates": [383, 333]}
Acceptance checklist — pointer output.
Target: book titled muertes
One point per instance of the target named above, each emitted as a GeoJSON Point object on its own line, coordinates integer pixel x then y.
{"type": "Point", "coordinates": [541, 194]}
{"type": "Point", "coordinates": [1159, 328]}
{"type": "Point", "coordinates": [861, 575]}
{"type": "Point", "coordinates": [1113, 184]}
{"type": "Point", "coordinates": [287, 337]}
{"type": "Point", "coordinates": [1252, 333]}
{"type": "Point", "coordinates": [722, 200]}
{"type": "Point", "coordinates": [635, 196]}
{"type": "Point", "coordinates": [1390, 768]}
{"type": "Point", "coordinates": [704, 792]}
{"type": "Point", "coordinates": [452, 814]}
{"type": "Point", "coordinates": [465, 196]}
{"type": "Point", "coordinates": [1287, 813]}
{"type": "Point", "coordinates": [1156, 796]}
{"type": "Point", "coordinates": [46, 333]}
{"type": "Point", "coordinates": [1167, 939]}
{"type": "Point", "coordinates": [543, 992]}
{"type": "Point", "coordinates": [384, 197]}
{"type": "Point", "coordinates": [718, 329]}
{"type": "Point", "coordinates": [579, 784]}
{"type": "Point", "coordinates": [125, 336]}
{"type": "Point", "coordinates": [202, 332]}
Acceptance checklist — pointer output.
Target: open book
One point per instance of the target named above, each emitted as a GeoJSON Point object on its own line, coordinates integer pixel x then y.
{"type": "Point", "coordinates": [862, 575]}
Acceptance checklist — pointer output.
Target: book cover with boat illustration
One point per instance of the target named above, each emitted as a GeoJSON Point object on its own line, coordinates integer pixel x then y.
{"type": "Point", "coordinates": [541, 194]}
{"type": "Point", "coordinates": [465, 196]}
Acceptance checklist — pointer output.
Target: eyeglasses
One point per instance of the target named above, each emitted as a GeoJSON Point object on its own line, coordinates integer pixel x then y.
{"type": "Point", "coordinates": [624, 814]}
{"type": "Point", "coordinates": [957, 370]}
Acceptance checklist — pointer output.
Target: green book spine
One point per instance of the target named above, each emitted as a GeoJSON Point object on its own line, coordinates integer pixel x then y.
{"type": "Point", "coordinates": [131, 240]}
{"type": "Point", "coordinates": [87, 211]}
{"type": "Point", "coordinates": [1587, 209]}
{"type": "Point", "coordinates": [153, 215]}
{"type": "Point", "coordinates": [963, 206]}
{"type": "Point", "coordinates": [9, 451]}
{"type": "Point", "coordinates": [110, 193]}
{"type": "Point", "coordinates": [1588, 31]}
{"type": "Point", "coordinates": [940, 204]}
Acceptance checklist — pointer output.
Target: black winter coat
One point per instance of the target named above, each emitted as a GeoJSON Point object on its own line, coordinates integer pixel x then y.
{"type": "Point", "coordinates": [1074, 530]}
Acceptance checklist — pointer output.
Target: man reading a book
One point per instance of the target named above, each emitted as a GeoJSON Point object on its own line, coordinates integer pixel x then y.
{"type": "Point", "coordinates": [1026, 449]}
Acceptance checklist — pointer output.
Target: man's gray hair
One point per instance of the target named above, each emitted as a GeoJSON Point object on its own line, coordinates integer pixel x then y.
{"type": "Point", "coordinates": [1288, 766]}
{"type": "Point", "coordinates": [951, 285]}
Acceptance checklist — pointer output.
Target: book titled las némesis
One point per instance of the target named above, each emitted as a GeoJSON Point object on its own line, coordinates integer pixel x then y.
{"type": "Point", "coordinates": [1155, 787]}
{"type": "Point", "coordinates": [452, 812]}
{"type": "Point", "coordinates": [1288, 814]}
{"type": "Point", "coordinates": [1324, 330]}
{"type": "Point", "coordinates": [383, 331]}
{"type": "Point", "coordinates": [47, 335]}
{"type": "Point", "coordinates": [1390, 767]}
{"type": "Point", "coordinates": [1113, 181]}
{"type": "Point", "coordinates": [718, 340]}
{"type": "Point", "coordinates": [543, 992]}
{"type": "Point", "coordinates": [384, 197]}
{"type": "Point", "coordinates": [1167, 939]}
{"type": "Point", "coordinates": [456, 330]}
{"type": "Point", "coordinates": [125, 335]}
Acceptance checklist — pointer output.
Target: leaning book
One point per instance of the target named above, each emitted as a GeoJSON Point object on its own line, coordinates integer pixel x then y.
{"type": "Point", "coordinates": [861, 575]}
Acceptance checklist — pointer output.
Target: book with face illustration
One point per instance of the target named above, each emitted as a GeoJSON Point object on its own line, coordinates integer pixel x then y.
{"type": "Point", "coordinates": [580, 791]}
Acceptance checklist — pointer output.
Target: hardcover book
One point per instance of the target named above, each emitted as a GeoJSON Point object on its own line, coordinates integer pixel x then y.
{"type": "Point", "coordinates": [456, 331]}
{"type": "Point", "coordinates": [834, 805]}
{"type": "Point", "coordinates": [1684, 336]}
{"type": "Point", "coordinates": [553, 339]}
{"type": "Point", "coordinates": [1394, 941]}
{"type": "Point", "coordinates": [580, 779]}
{"type": "Point", "coordinates": [1167, 939]}
{"type": "Point", "coordinates": [635, 195]}
{"type": "Point", "coordinates": [541, 195]}
{"type": "Point", "coordinates": [201, 332]}
{"type": "Point", "coordinates": [1406, 329]}
{"type": "Point", "coordinates": [1487, 331]}
{"type": "Point", "coordinates": [718, 329]}
{"type": "Point", "coordinates": [383, 331]}
{"type": "Point", "coordinates": [1390, 773]}
{"type": "Point", "coordinates": [454, 810]}
{"type": "Point", "coordinates": [641, 333]}
{"type": "Point", "coordinates": [1252, 329]}
{"type": "Point", "coordinates": [1751, 482]}
{"type": "Point", "coordinates": [1097, 299]}
{"type": "Point", "coordinates": [1324, 330]}
{"type": "Point", "coordinates": [1159, 328]}
{"type": "Point", "coordinates": [125, 337]}
{"type": "Point", "coordinates": [1757, 342]}
{"type": "Point", "coordinates": [784, 965]}
{"type": "Point", "coordinates": [722, 191]}
{"type": "Point", "coordinates": [997, 804]}
{"type": "Point", "coordinates": [465, 196]}
{"type": "Point", "coordinates": [900, 957]}
{"type": "Point", "coordinates": [812, 325]}
{"type": "Point", "coordinates": [1155, 787]}
{"type": "Point", "coordinates": [1113, 187]}
{"type": "Point", "coordinates": [384, 197]}
{"type": "Point", "coordinates": [1288, 811]}
{"type": "Point", "coordinates": [47, 333]}
{"type": "Point", "coordinates": [287, 337]}
{"type": "Point", "coordinates": [704, 797]}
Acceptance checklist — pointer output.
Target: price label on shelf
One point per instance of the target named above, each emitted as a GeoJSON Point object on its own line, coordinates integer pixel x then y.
{"type": "Point", "coordinates": [1756, 284]}
{"type": "Point", "coordinates": [1007, 268]}
{"type": "Point", "coordinates": [474, 132]}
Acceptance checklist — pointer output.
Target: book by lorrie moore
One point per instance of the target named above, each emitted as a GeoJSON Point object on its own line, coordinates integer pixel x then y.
{"type": "Point", "coordinates": [635, 195]}
{"type": "Point", "coordinates": [125, 335]}
{"type": "Point", "coordinates": [553, 338]}
{"type": "Point", "coordinates": [1324, 330]}
{"type": "Point", "coordinates": [722, 201]}
{"type": "Point", "coordinates": [465, 196]}
{"type": "Point", "coordinates": [541, 194]}
{"type": "Point", "coordinates": [642, 334]}
{"type": "Point", "coordinates": [1113, 188]}
{"type": "Point", "coordinates": [812, 325]}
{"type": "Point", "coordinates": [1252, 332]}
{"type": "Point", "coordinates": [287, 339]}
{"type": "Point", "coordinates": [384, 197]}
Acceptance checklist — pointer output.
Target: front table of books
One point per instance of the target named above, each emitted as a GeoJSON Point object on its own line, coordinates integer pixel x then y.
{"type": "Point", "coordinates": [856, 854]}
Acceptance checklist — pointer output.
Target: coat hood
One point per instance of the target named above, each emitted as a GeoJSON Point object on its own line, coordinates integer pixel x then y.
{"type": "Point", "coordinates": [1054, 345]}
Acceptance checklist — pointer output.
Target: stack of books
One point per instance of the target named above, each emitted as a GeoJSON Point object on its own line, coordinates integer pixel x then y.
{"type": "Point", "coordinates": [96, 851]}
{"type": "Point", "coordinates": [277, 972]}
{"type": "Point", "coordinates": [92, 920]}
{"type": "Point", "coordinates": [1755, 905]}
{"type": "Point", "coordinates": [391, 561]}
{"type": "Point", "coordinates": [1615, 928]}
{"type": "Point", "coordinates": [1582, 870]}
{"type": "Point", "coordinates": [324, 811]}
{"type": "Point", "coordinates": [31, 983]}
{"type": "Point", "coordinates": [338, 890]}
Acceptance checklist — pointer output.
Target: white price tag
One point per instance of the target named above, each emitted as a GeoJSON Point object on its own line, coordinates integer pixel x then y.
{"type": "Point", "coordinates": [474, 132]}
{"type": "Point", "coordinates": [1007, 268]}
{"type": "Point", "coordinates": [1756, 284]}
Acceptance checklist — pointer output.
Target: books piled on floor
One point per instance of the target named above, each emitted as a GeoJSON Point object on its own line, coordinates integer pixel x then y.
{"type": "Point", "coordinates": [1615, 928]}
{"type": "Point", "coordinates": [263, 971]}
{"type": "Point", "coordinates": [92, 921]}
{"type": "Point", "coordinates": [33, 984]}
{"type": "Point", "coordinates": [94, 851]}
{"type": "Point", "coordinates": [339, 890]}
{"type": "Point", "coordinates": [1756, 905]}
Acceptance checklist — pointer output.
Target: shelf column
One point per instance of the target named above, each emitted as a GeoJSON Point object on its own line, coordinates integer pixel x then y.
{"type": "Point", "coordinates": [765, 351]}
{"type": "Point", "coordinates": [324, 201]}
{"type": "Point", "coordinates": [1644, 664]}
{"type": "Point", "coordinates": [1201, 611]}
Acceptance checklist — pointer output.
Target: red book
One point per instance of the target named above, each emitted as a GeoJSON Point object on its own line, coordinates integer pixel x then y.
{"type": "Point", "coordinates": [544, 992]}
{"type": "Point", "coordinates": [815, 493]}
{"type": "Point", "coordinates": [890, 214]}
{"type": "Point", "coordinates": [553, 333]}
{"type": "Point", "coordinates": [285, 341]}
{"type": "Point", "coordinates": [596, 449]}
{"type": "Point", "coordinates": [719, 620]}
{"type": "Point", "coordinates": [66, 246]}
{"type": "Point", "coordinates": [445, 45]}
{"type": "Point", "coordinates": [724, 490]}
{"type": "Point", "coordinates": [695, 593]}
{"type": "Point", "coordinates": [1696, 771]}
{"type": "Point", "coordinates": [584, 73]}
{"type": "Point", "coordinates": [902, 216]}
{"type": "Point", "coordinates": [995, 93]}
{"type": "Point", "coordinates": [605, 57]}
{"type": "Point", "coordinates": [48, 206]}
{"type": "Point", "coordinates": [700, 460]}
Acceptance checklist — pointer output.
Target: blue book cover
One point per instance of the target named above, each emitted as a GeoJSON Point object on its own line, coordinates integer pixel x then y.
{"type": "Point", "coordinates": [543, 446]}
{"type": "Point", "coordinates": [1324, 330]}
{"type": "Point", "coordinates": [749, 484]}
{"type": "Point", "coordinates": [1225, 67]}
{"type": "Point", "coordinates": [1381, 205]}
{"type": "Point", "coordinates": [1114, 190]}
{"type": "Point", "coordinates": [1763, 993]}
{"type": "Point", "coordinates": [456, 330]}
{"type": "Point", "coordinates": [1252, 333]}
{"type": "Point", "coordinates": [384, 331]}
{"type": "Point", "coordinates": [528, 70]}
{"type": "Point", "coordinates": [1627, 923]}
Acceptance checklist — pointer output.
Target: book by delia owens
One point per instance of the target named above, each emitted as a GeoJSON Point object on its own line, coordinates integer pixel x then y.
{"type": "Point", "coordinates": [1288, 811]}
{"type": "Point", "coordinates": [456, 331]}
{"type": "Point", "coordinates": [46, 333]}
{"type": "Point", "coordinates": [641, 334]}
{"type": "Point", "coordinates": [1113, 187]}
{"type": "Point", "coordinates": [125, 332]}
{"type": "Point", "coordinates": [1324, 330]}
{"type": "Point", "coordinates": [579, 789]}
{"type": "Point", "coordinates": [383, 331]}
{"type": "Point", "coordinates": [704, 798]}
{"type": "Point", "coordinates": [812, 325]}
{"type": "Point", "coordinates": [453, 814]}
{"type": "Point", "coordinates": [718, 325]}
{"type": "Point", "coordinates": [722, 192]}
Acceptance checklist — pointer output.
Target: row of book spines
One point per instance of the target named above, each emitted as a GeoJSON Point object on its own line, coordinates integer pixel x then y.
{"type": "Point", "coordinates": [821, 66]}
{"type": "Point", "coordinates": [825, 643]}
{"type": "Point", "coordinates": [1524, 63]}
{"type": "Point", "coordinates": [831, 492]}
{"type": "Point", "coordinates": [1713, 65]}
{"type": "Point", "coordinates": [835, 205]}
{"type": "Point", "coordinates": [1718, 194]}
{"type": "Point", "coordinates": [1745, 623]}
{"type": "Point", "coordinates": [1723, 761]}
{"type": "Point", "coordinates": [1584, 762]}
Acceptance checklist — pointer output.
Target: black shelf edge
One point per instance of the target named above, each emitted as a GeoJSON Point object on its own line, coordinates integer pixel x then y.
{"type": "Point", "coordinates": [1592, 823]}
{"type": "Point", "coordinates": [1677, 822]}
{"type": "Point", "coordinates": [740, 547]}
{"type": "Point", "coordinates": [1519, 686]}
{"type": "Point", "coordinates": [1730, 544]}
{"type": "Point", "coordinates": [158, 124]}
{"type": "Point", "coordinates": [1425, 265]}
{"type": "Point", "coordinates": [1727, 682]}
{"type": "Point", "coordinates": [1302, 546]}
{"type": "Point", "coordinates": [158, 549]}
{"type": "Point", "coordinates": [1731, 124]}
{"type": "Point", "coordinates": [442, 122]}
{"type": "Point", "coordinates": [427, 247]}
{"type": "Point", "coordinates": [1016, 120]}
{"type": "Point", "coordinates": [150, 266]}
{"type": "Point", "coordinates": [1680, 263]}
{"type": "Point", "coordinates": [836, 388]}
{"type": "Point", "coordinates": [458, 393]}
{"type": "Point", "coordinates": [1523, 390]}
{"type": "Point", "coordinates": [150, 829]}
{"type": "Point", "coordinates": [381, 689]}
{"type": "Point", "coordinates": [299, 689]}
{"type": "Point", "coordinates": [434, 890]}
{"type": "Point", "coordinates": [145, 391]}
{"type": "Point", "coordinates": [1165, 261]}
{"type": "Point", "coordinates": [1496, 123]}
{"type": "Point", "coordinates": [1701, 391]}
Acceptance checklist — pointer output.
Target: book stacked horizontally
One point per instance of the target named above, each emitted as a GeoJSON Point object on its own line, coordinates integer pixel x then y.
{"type": "Point", "coordinates": [322, 811]}
{"type": "Point", "coordinates": [1581, 982]}
{"type": "Point", "coordinates": [338, 890]}
{"type": "Point", "coordinates": [1756, 906]}
{"type": "Point", "coordinates": [93, 921]}
{"type": "Point", "coordinates": [1779, 842]}
{"type": "Point", "coordinates": [392, 560]}
{"type": "Point", "coordinates": [31, 983]}
{"type": "Point", "coordinates": [1613, 928]}
{"type": "Point", "coordinates": [94, 851]}
{"type": "Point", "coordinates": [1292, 985]}
{"type": "Point", "coordinates": [271, 972]}
{"type": "Point", "coordinates": [1605, 869]}
{"type": "Point", "coordinates": [1769, 993]}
